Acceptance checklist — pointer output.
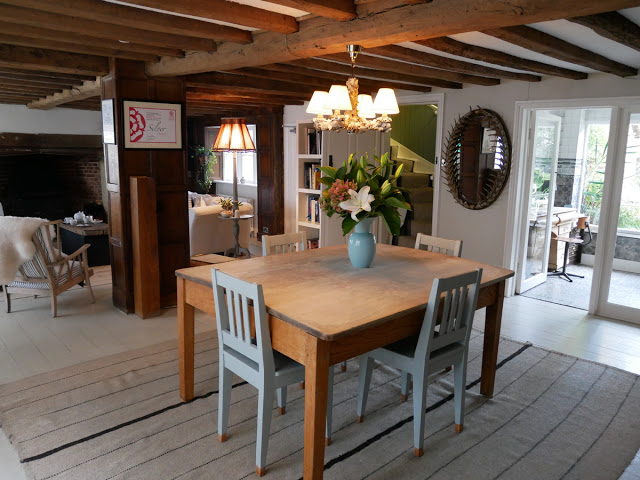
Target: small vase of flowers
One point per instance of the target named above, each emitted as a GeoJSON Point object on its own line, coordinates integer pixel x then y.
{"type": "Point", "coordinates": [359, 191]}
{"type": "Point", "coordinates": [227, 207]}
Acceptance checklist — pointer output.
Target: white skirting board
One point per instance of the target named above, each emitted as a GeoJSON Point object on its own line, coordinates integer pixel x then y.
{"type": "Point", "coordinates": [618, 264]}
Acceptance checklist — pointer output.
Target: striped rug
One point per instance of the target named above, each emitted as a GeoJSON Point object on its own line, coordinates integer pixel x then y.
{"type": "Point", "coordinates": [552, 417]}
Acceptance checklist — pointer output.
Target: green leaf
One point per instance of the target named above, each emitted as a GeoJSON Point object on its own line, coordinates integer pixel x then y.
{"type": "Point", "coordinates": [391, 219]}
{"type": "Point", "coordinates": [331, 171]}
{"type": "Point", "coordinates": [397, 203]}
{"type": "Point", "coordinates": [340, 174]}
{"type": "Point", "coordinates": [363, 162]}
{"type": "Point", "coordinates": [360, 177]}
{"type": "Point", "coordinates": [328, 181]}
{"type": "Point", "coordinates": [347, 224]}
{"type": "Point", "coordinates": [373, 183]}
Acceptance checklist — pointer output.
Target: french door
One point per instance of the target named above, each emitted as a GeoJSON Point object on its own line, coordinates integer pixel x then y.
{"type": "Point", "coordinates": [544, 140]}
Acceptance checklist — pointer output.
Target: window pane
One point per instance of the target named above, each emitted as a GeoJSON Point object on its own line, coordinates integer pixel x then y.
{"type": "Point", "coordinates": [227, 167]}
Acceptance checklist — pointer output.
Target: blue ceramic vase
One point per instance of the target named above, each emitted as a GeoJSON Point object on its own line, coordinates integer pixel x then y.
{"type": "Point", "coordinates": [362, 244]}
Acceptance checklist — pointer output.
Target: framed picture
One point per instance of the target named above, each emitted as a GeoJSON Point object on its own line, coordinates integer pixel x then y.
{"type": "Point", "coordinates": [108, 122]}
{"type": "Point", "coordinates": [151, 125]}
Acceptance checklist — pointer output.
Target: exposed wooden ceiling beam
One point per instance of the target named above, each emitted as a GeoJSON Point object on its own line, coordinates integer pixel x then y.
{"type": "Point", "coordinates": [52, 61]}
{"type": "Point", "coordinates": [614, 26]}
{"type": "Point", "coordinates": [224, 11]}
{"type": "Point", "coordinates": [249, 99]}
{"type": "Point", "coordinates": [551, 46]}
{"type": "Point", "coordinates": [86, 40]}
{"type": "Point", "coordinates": [6, 80]}
{"type": "Point", "coordinates": [340, 10]}
{"type": "Point", "coordinates": [39, 92]}
{"type": "Point", "coordinates": [437, 61]}
{"type": "Point", "coordinates": [86, 90]}
{"type": "Point", "coordinates": [137, 18]}
{"type": "Point", "coordinates": [416, 2]}
{"type": "Point", "coordinates": [36, 75]}
{"type": "Point", "coordinates": [366, 85]}
{"type": "Point", "coordinates": [54, 21]}
{"type": "Point", "coordinates": [319, 36]}
{"type": "Point", "coordinates": [242, 83]}
{"type": "Point", "coordinates": [437, 78]}
{"type": "Point", "coordinates": [455, 47]}
{"type": "Point", "coordinates": [324, 69]}
{"type": "Point", "coordinates": [194, 93]}
{"type": "Point", "coordinates": [75, 48]}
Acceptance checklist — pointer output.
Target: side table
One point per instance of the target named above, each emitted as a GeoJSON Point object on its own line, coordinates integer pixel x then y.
{"type": "Point", "coordinates": [96, 235]}
{"type": "Point", "coordinates": [237, 250]}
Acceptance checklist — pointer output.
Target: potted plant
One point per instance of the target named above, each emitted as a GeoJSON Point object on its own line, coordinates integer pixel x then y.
{"type": "Point", "coordinates": [205, 171]}
{"type": "Point", "coordinates": [227, 206]}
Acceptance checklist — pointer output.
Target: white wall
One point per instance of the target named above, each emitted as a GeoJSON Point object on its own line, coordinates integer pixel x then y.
{"type": "Point", "coordinates": [20, 119]}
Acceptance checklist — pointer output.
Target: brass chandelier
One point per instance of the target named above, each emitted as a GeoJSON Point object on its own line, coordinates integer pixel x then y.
{"type": "Point", "coordinates": [347, 110]}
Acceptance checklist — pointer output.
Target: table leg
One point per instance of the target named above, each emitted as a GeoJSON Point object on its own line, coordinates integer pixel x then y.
{"type": "Point", "coordinates": [185, 342]}
{"type": "Point", "coordinates": [315, 405]}
{"type": "Point", "coordinates": [491, 340]}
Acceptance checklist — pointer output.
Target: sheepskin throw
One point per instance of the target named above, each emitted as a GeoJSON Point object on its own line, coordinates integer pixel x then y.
{"type": "Point", "coordinates": [16, 246]}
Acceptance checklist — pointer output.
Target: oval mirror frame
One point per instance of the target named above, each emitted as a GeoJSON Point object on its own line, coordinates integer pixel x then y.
{"type": "Point", "coordinates": [477, 159]}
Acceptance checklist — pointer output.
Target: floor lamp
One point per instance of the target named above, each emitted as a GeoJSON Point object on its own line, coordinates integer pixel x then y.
{"type": "Point", "coordinates": [234, 137]}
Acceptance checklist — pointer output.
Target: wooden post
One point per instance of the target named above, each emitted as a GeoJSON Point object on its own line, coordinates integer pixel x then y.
{"type": "Point", "coordinates": [144, 233]}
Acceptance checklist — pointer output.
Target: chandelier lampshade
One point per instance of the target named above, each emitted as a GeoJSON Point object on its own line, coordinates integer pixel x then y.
{"type": "Point", "coordinates": [349, 111]}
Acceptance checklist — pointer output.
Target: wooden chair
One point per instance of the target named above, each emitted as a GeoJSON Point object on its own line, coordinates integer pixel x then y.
{"type": "Point", "coordinates": [439, 245]}
{"type": "Point", "coordinates": [51, 271]}
{"type": "Point", "coordinates": [433, 349]}
{"type": "Point", "coordinates": [285, 243]}
{"type": "Point", "coordinates": [250, 358]}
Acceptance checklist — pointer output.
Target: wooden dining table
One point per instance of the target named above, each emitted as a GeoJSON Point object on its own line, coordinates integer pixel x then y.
{"type": "Point", "coordinates": [323, 311]}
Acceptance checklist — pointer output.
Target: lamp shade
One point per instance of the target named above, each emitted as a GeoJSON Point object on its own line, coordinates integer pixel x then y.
{"type": "Point", "coordinates": [233, 136]}
{"type": "Point", "coordinates": [386, 102]}
{"type": "Point", "coordinates": [338, 98]}
{"type": "Point", "coordinates": [365, 106]}
{"type": "Point", "coordinates": [317, 104]}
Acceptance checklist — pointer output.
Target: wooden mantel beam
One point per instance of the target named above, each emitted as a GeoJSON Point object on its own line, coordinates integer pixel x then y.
{"type": "Point", "coordinates": [613, 26]}
{"type": "Point", "coordinates": [320, 36]}
{"type": "Point", "coordinates": [86, 90]}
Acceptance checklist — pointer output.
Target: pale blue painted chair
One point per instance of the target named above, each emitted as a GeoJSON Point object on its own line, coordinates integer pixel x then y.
{"type": "Point", "coordinates": [250, 358]}
{"type": "Point", "coordinates": [438, 245]}
{"type": "Point", "coordinates": [436, 347]}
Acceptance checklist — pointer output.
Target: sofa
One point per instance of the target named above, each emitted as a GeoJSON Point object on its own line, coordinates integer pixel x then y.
{"type": "Point", "coordinates": [208, 232]}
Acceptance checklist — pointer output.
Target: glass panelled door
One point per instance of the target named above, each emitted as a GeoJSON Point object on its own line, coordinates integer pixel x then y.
{"type": "Point", "coordinates": [620, 280]}
{"type": "Point", "coordinates": [543, 161]}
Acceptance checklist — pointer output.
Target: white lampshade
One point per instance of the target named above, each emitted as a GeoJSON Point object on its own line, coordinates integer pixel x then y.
{"type": "Point", "coordinates": [338, 98]}
{"type": "Point", "coordinates": [386, 102]}
{"type": "Point", "coordinates": [317, 103]}
{"type": "Point", "coordinates": [365, 106]}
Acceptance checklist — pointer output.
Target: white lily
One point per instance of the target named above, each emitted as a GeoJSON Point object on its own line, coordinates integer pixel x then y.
{"type": "Point", "coordinates": [358, 201]}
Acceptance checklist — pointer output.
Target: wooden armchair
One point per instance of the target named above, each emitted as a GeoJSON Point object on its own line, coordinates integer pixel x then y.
{"type": "Point", "coordinates": [51, 271]}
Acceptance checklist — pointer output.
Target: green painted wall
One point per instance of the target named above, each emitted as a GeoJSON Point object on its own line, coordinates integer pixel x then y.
{"type": "Point", "coordinates": [415, 128]}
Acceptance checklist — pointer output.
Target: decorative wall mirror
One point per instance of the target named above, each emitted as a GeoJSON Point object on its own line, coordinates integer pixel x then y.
{"type": "Point", "coordinates": [477, 159]}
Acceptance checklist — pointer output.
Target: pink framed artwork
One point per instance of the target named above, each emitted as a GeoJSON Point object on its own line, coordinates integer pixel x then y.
{"type": "Point", "coordinates": [152, 125]}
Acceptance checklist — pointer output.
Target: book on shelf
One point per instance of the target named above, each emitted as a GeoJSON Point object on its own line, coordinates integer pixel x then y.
{"type": "Point", "coordinates": [311, 175]}
{"type": "Point", "coordinates": [313, 243]}
{"type": "Point", "coordinates": [313, 141]}
{"type": "Point", "coordinates": [313, 209]}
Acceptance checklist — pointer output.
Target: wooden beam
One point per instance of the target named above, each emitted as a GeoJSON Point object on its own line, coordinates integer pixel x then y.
{"type": "Point", "coordinates": [322, 81]}
{"type": "Point", "coordinates": [242, 83]}
{"type": "Point", "coordinates": [319, 36]}
{"type": "Point", "coordinates": [53, 21]}
{"type": "Point", "coordinates": [257, 100]}
{"type": "Point", "coordinates": [88, 89]}
{"type": "Point", "coordinates": [52, 61]}
{"type": "Point", "coordinates": [437, 78]}
{"type": "Point", "coordinates": [324, 69]}
{"type": "Point", "coordinates": [551, 46]}
{"type": "Point", "coordinates": [416, 2]}
{"type": "Point", "coordinates": [75, 48]}
{"type": "Point", "coordinates": [267, 97]}
{"type": "Point", "coordinates": [454, 47]}
{"type": "Point", "coordinates": [6, 79]}
{"type": "Point", "coordinates": [86, 40]}
{"type": "Point", "coordinates": [224, 11]}
{"type": "Point", "coordinates": [614, 26]}
{"type": "Point", "coordinates": [45, 75]}
{"type": "Point", "coordinates": [137, 18]}
{"type": "Point", "coordinates": [340, 10]}
{"type": "Point", "coordinates": [39, 91]}
{"type": "Point", "coordinates": [437, 61]}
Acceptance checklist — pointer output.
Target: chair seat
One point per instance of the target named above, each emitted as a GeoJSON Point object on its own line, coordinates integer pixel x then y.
{"type": "Point", "coordinates": [407, 348]}
{"type": "Point", "coordinates": [282, 363]}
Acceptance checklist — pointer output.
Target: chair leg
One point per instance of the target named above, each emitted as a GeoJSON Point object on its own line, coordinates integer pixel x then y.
{"type": "Point", "coordinates": [54, 304]}
{"type": "Point", "coordinates": [364, 380]}
{"type": "Point", "coordinates": [7, 298]}
{"type": "Point", "coordinates": [265, 403]}
{"type": "Point", "coordinates": [281, 395]}
{"type": "Point", "coordinates": [329, 407]}
{"type": "Point", "coordinates": [224, 401]}
{"type": "Point", "coordinates": [459, 382]}
{"type": "Point", "coordinates": [404, 388]}
{"type": "Point", "coordinates": [419, 401]}
{"type": "Point", "coordinates": [343, 366]}
{"type": "Point", "coordinates": [93, 298]}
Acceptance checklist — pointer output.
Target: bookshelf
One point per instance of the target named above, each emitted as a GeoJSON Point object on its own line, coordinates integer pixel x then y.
{"type": "Point", "coordinates": [315, 150]}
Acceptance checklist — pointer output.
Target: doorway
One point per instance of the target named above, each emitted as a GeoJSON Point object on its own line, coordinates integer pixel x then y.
{"type": "Point", "coordinates": [579, 217]}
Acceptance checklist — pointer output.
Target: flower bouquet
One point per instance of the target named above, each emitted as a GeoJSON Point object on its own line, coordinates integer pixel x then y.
{"type": "Point", "coordinates": [359, 190]}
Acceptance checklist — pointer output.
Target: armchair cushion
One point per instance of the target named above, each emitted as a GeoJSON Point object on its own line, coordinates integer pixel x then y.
{"type": "Point", "coordinates": [209, 233]}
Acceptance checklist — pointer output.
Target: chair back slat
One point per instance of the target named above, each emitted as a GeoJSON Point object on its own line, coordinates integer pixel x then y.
{"type": "Point", "coordinates": [438, 245]}
{"type": "Point", "coordinates": [456, 298]}
{"type": "Point", "coordinates": [285, 243]}
{"type": "Point", "coordinates": [244, 302]}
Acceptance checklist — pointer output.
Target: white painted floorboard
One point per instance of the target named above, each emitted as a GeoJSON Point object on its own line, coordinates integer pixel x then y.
{"type": "Point", "coordinates": [32, 342]}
